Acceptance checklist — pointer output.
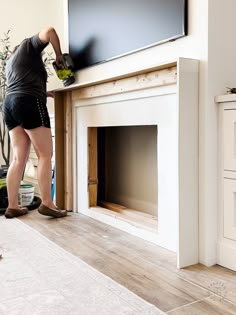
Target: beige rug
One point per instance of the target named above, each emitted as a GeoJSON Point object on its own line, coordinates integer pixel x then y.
{"type": "Point", "coordinates": [39, 277]}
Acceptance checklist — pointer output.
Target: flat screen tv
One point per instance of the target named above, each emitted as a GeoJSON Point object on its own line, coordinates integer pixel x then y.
{"type": "Point", "coordinates": [100, 30]}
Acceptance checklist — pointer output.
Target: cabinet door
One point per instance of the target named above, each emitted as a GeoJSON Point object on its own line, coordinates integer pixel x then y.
{"type": "Point", "coordinates": [229, 211]}
{"type": "Point", "coordinates": [229, 139]}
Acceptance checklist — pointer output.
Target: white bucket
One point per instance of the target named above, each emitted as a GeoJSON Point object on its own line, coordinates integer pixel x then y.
{"type": "Point", "coordinates": [25, 195]}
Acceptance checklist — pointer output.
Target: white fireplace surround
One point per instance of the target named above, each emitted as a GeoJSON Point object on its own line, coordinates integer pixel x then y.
{"type": "Point", "coordinates": [172, 105]}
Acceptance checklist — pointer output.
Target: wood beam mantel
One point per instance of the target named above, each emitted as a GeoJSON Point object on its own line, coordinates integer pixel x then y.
{"type": "Point", "coordinates": [63, 149]}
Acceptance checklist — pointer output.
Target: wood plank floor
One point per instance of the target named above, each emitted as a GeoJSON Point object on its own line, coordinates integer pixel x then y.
{"type": "Point", "coordinates": [144, 268]}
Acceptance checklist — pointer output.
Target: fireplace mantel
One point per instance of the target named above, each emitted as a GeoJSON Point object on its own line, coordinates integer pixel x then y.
{"type": "Point", "coordinates": [176, 82]}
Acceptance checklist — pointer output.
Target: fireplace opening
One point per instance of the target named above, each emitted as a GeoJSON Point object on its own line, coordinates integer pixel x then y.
{"type": "Point", "coordinates": [123, 172]}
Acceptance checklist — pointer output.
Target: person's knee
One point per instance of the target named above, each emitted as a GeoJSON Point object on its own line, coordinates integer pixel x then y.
{"type": "Point", "coordinates": [18, 162]}
{"type": "Point", "coordinates": [45, 156]}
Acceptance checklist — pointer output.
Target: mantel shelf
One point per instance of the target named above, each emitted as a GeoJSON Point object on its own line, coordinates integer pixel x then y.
{"type": "Point", "coordinates": [225, 98]}
{"type": "Point", "coordinates": [138, 71]}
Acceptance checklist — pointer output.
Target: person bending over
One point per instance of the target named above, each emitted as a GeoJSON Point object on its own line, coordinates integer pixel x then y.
{"type": "Point", "coordinates": [26, 116]}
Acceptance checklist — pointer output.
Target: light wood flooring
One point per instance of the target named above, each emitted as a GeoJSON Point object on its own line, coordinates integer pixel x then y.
{"type": "Point", "coordinates": [144, 268]}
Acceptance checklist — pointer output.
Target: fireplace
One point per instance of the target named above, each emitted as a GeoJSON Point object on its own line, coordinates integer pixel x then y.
{"type": "Point", "coordinates": [125, 172]}
{"type": "Point", "coordinates": [154, 109]}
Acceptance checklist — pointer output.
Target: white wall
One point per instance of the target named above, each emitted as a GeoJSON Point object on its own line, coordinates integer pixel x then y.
{"type": "Point", "coordinates": [27, 17]}
{"type": "Point", "coordinates": [212, 26]}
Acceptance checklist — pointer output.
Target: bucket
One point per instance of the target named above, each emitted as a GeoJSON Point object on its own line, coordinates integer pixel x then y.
{"type": "Point", "coordinates": [25, 195]}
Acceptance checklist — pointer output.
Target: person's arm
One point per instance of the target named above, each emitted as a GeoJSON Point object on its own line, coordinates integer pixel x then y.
{"type": "Point", "coordinates": [49, 35]}
{"type": "Point", "coordinates": [50, 94]}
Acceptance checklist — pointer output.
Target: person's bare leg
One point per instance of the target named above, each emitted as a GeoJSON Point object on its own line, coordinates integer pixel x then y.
{"type": "Point", "coordinates": [20, 143]}
{"type": "Point", "coordinates": [41, 139]}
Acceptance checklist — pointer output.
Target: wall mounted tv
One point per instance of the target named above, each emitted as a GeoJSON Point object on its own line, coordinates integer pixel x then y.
{"type": "Point", "coordinates": [100, 30]}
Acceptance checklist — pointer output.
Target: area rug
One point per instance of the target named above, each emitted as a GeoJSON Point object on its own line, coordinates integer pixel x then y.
{"type": "Point", "coordinates": [39, 277]}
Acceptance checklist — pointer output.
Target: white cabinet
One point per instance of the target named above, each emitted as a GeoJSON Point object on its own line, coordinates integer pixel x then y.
{"type": "Point", "coordinates": [226, 244]}
{"type": "Point", "coordinates": [229, 170]}
{"type": "Point", "coordinates": [229, 138]}
{"type": "Point", "coordinates": [229, 209]}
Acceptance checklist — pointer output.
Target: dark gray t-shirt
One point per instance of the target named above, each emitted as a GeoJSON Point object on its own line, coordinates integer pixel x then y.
{"type": "Point", "coordinates": [25, 71]}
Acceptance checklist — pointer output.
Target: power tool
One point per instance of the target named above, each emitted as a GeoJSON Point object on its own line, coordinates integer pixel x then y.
{"type": "Point", "coordinates": [65, 69]}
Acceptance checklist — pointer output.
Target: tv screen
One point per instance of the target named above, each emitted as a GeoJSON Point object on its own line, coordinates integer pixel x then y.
{"type": "Point", "coordinates": [100, 30]}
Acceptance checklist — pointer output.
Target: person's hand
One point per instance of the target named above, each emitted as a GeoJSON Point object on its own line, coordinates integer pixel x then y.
{"type": "Point", "coordinates": [58, 59]}
{"type": "Point", "coordinates": [50, 94]}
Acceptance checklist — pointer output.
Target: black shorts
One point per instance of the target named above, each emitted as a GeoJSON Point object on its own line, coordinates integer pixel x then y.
{"type": "Point", "coordinates": [26, 111]}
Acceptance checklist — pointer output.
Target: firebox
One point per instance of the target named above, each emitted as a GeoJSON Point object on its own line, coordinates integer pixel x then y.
{"type": "Point", "coordinates": [125, 172]}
